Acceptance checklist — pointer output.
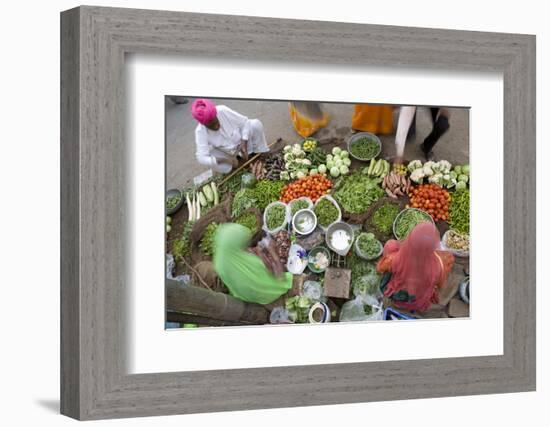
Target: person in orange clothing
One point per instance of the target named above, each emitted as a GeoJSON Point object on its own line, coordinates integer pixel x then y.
{"type": "Point", "coordinates": [415, 270]}
{"type": "Point", "coordinates": [377, 119]}
{"type": "Point", "coordinates": [307, 117]}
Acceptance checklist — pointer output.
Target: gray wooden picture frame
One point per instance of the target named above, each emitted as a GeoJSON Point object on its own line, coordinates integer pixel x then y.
{"type": "Point", "coordinates": [94, 41]}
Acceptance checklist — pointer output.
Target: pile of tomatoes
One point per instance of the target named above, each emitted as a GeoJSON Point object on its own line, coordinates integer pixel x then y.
{"type": "Point", "coordinates": [312, 186]}
{"type": "Point", "coordinates": [432, 199]}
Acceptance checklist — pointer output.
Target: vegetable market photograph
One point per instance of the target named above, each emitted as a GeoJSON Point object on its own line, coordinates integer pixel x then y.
{"type": "Point", "coordinates": [304, 212]}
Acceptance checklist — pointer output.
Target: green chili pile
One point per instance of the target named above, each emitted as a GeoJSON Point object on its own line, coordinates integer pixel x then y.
{"type": "Point", "coordinates": [267, 192]}
{"type": "Point", "coordinates": [181, 247]}
{"type": "Point", "coordinates": [459, 212]}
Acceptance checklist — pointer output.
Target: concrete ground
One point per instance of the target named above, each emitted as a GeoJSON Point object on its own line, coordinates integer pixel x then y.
{"type": "Point", "coordinates": [181, 165]}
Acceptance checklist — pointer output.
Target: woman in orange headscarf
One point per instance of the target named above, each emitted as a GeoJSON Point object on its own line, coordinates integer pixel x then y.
{"type": "Point", "coordinates": [418, 269]}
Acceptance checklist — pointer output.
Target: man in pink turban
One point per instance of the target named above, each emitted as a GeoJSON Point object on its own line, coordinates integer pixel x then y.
{"type": "Point", "coordinates": [223, 134]}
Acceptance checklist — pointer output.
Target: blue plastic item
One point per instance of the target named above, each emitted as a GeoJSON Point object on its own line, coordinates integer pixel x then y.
{"type": "Point", "coordinates": [391, 314]}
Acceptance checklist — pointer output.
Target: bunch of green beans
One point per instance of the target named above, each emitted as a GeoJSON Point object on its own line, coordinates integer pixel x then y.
{"type": "Point", "coordinates": [459, 212]}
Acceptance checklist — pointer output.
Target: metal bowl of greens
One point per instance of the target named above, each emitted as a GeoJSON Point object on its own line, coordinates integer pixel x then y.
{"type": "Point", "coordinates": [174, 201]}
{"type": "Point", "coordinates": [304, 221]}
{"type": "Point", "coordinates": [364, 146]}
{"type": "Point", "coordinates": [407, 219]}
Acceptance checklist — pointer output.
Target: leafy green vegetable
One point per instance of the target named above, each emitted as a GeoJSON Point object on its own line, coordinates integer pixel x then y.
{"type": "Point", "coordinates": [275, 216]}
{"type": "Point", "coordinates": [181, 247]}
{"type": "Point", "coordinates": [356, 192]}
{"type": "Point", "coordinates": [298, 308]}
{"type": "Point", "coordinates": [207, 241]}
{"type": "Point", "coordinates": [172, 201]}
{"type": "Point", "coordinates": [243, 200]}
{"type": "Point", "coordinates": [369, 245]}
{"type": "Point", "coordinates": [459, 212]}
{"type": "Point", "coordinates": [297, 205]}
{"type": "Point", "coordinates": [249, 221]}
{"type": "Point", "coordinates": [326, 212]}
{"type": "Point", "coordinates": [409, 219]}
{"type": "Point", "coordinates": [364, 277]}
{"type": "Point", "coordinates": [384, 216]}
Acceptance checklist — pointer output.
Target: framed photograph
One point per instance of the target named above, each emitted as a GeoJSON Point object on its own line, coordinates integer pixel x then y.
{"type": "Point", "coordinates": [261, 213]}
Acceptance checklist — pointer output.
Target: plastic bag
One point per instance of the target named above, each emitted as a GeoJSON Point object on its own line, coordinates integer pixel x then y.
{"type": "Point", "coordinates": [283, 225]}
{"type": "Point", "coordinates": [279, 316]}
{"type": "Point", "coordinates": [368, 284]}
{"type": "Point", "coordinates": [248, 180]}
{"type": "Point", "coordinates": [170, 266]}
{"type": "Point", "coordinates": [313, 290]}
{"type": "Point", "coordinates": [361, 309]}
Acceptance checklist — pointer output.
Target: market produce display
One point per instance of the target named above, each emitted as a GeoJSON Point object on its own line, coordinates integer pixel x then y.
{"type": "Point", "coordinates": [319, 261]}
{"type": "Point", "coordinates": [400, 169]}
{"type": "Point", "coordinates": [432, 199]}
{"type": "Point", "coordinates": [407, 220]}
{"type": "Point", "coordinates": [182, 246]}
{"type": "Point", "coordinates": [207, 241]}
{"type": "Point", "coordinates": [309, 144]}
{"type": "Point", "coordinates": [377, 168]}
{"type": "Point", "coordinates": [298, 308]}
{"type": "Point", "coordinates": [459, 215]}
{"type": "Point", "coordinates": [337, 163]}
{"type": "Point", "coordinates": [244, 199]}
{"type": "Point", "coordinates": [457, 241]}
{"type": "Point", "coordinates": [297, 205]}
{"type": "Point", "coordinates": [356, 192]}
{"type": "Point", "coordinates": [312, 186]}
{"type": "Point", "coordinates": [368, 245]}
{"type": "Point", "coordinates": [267, 192]}
{"type": "Point", "coordinates": [296, 164]}
{"type": "Point", "coordinates": [384, 216]}
{"type": "Point", "coordinates": [275, 216]}
{"type": "Point", "coordinates": [258, 168]}
{"type": "Point", "coordinates": [463, 176]}
{"type": "Point", "coordinates": [365, 148]}
{"type": "Point", "coordinates": [250, 221]}
{"type": "Point", "coordinates": [326, 212]}
{"type": "Point", "coordinates": [282, 241]}
{"type": "Point", "coordinates": [172, 201]}
{"type": "Point", "coordinates": [317, 156]}
{"type": "Point", "coordinates": [439, 173]}
{"type": "Point", "coordinates": [275, 164]}
{"type": "Point", "coordinates": [396, 184]}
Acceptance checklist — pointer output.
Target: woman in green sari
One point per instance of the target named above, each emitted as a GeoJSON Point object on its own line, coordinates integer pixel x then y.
{"type": "Point", "coordinates": [244, 273]}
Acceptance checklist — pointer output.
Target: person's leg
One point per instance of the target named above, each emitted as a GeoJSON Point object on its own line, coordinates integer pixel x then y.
{"type": "Point", "coordinates": [256, 139]}
{"type": "Point", "coordinates": [441, 125]}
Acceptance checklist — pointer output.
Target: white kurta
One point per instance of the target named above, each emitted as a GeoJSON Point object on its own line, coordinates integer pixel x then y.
{"type": "Point", "coordinates": [224, 142]}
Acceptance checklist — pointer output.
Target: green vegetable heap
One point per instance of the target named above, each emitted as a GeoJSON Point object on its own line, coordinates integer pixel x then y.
{"type": "Point", "coordinates": [172, 201]}
{"type": "Point", "coordinates": [275, 216]}
{"type": "Point", "coordinates": [207, 241]}
{"type": "Point", "coordinates": [459, 213]}
{"type": "Point", "coordinates": [326, 212]}
{"type": "Point", "coordinates": [249, 221]}
{"type": "Point", "coordinates": [243, 200]}
{"type": "Point", "coordinates": [267, 192]}
{"type": "Point", "coordinates": [409, 219]}
{"type": "Point", "coordinates": [181, 247]}
{"type": "Point", "coordinates": [364, 277]}
{"type": "Point", "coordinates": [297, 205]}
{"type": "Point", "coordinates": [364, 148]}
{"type": "Point", "coordinates": [356, 192]}
{"type": "Point", "coordinates": [317, 156]}
{"type": "Point", "coordinates": [298, 308]}
{"type": "Point", "coordinates": [384, 216]}
{"type": "Point", "coordinates": [369, 245]}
